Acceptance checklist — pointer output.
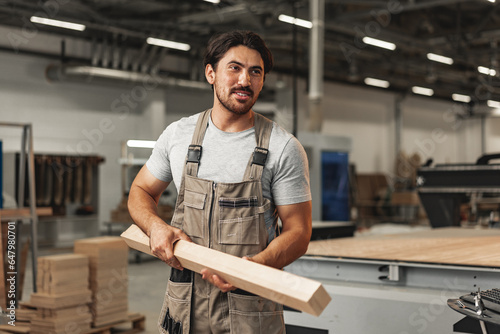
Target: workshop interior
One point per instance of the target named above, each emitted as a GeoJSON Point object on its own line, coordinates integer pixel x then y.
{"type": "Point", "coordinates": [397, 106]}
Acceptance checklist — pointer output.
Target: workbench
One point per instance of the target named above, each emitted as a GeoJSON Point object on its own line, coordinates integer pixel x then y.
{"type": "Point", "coordinates": [399, 283]}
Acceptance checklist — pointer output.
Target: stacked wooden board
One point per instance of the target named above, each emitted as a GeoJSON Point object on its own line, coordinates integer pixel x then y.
{"type": "Point", "coordinates": [108, 260]}
{"type": "Point", "coordinates": [25, 314]}
{"type": "Point", "coordinates": [62, 295]}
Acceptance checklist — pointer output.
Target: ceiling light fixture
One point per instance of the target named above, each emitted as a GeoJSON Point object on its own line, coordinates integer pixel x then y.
{"type": "Point", "coordinates": [439, 58]}
{"type": "Point", "coordinates": [379, 43]}
{"type": "Point", "coordinates": [461, 98]}
{"type": "Point", "coordinates": [493, 104]}
{"type": "Point", "coordinates": [57, 23]}
{"type": "Point", "coordinates": [213, 1]}
{"type": "Point", "coordinates": [492, 1]}
{"type": "Point", "coordinates": [422, 91]}
{"type": "Point", "coordinates": [377, 82]}
{"type": "Point", "coordinates": [168, 44]}
{"type": "Point", "coordinates": [296, 21]}
{"type": "Point", "coordinates": [141, 143]}
{"type": "Point", "coordinates": [486, 70]}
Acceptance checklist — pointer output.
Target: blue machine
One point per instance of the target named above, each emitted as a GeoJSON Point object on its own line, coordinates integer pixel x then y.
{"type": "Point", "coordinates": [335, 186]}
{"type": "Point", "coordinates": [329, 175]}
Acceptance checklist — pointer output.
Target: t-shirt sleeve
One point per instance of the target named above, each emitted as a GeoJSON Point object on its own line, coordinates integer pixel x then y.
{"type": "Point", "coordinates": [290, 184]}
{"type": "Point", "coordinates": [159, 163]}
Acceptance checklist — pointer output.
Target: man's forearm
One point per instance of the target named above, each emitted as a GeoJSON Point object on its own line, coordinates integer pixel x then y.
{"type": "Point", "coordinates": [285, 249]}
{"type": "Point", "coordinates": [294, 238]}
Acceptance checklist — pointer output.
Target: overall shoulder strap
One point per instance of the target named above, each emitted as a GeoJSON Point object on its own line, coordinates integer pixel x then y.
{"type": "Point", "coordinates": [195, 149]}
{"type": "Point", "coordinates": [263, 128]}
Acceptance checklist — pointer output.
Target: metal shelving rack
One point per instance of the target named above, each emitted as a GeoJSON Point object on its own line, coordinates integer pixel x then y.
{"type": "Point", "coordinates": [26, 155]}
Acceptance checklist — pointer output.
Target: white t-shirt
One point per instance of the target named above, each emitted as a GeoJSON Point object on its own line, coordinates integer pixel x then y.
{"type": "Point", "coordinates": [225, 155]}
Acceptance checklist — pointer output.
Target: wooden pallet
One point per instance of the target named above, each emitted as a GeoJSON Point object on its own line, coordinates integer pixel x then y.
{"type": "Point", "coordinates": [136, 323]}
{"type": "Point", "coordinates": [136, 320]}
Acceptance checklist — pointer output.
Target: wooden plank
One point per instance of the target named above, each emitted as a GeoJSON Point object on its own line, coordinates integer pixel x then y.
{"type": "Point", "coordinates": [277, 285]}
{"type": "Point", "coordinates": [79, 297]}
{"type": "Point", "coordinates": [21, 329]}
{"type": "Point", "coordinates": [21, 213]}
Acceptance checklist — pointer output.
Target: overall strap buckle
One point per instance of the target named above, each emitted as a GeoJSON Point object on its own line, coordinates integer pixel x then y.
{"type": "Point", "coordinates": [194, 153]}
{"type": "Point", "coordinates": [260, 156]}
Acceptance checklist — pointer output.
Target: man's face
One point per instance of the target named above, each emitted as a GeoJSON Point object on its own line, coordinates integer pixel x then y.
{"type": "Point", "coordinates": [238, 79]}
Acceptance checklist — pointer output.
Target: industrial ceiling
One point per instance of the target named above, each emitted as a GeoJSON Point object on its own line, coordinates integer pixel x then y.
{"type": "Point", "coordinates": [468, 32]}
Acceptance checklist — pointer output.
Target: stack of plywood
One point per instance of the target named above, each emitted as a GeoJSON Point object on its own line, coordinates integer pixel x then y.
{"type": "Point", "coordinates": [62, 295]}
{"type": "Point", "coordinates": [108, 278]}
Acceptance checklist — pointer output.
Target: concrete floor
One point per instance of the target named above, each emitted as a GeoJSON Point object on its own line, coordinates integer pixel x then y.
{"type": "Point", "coordinates": [147, 283]}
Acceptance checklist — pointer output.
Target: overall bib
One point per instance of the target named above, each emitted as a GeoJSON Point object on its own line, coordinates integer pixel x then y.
{"type": "Point", "coordinates": [228, 217]}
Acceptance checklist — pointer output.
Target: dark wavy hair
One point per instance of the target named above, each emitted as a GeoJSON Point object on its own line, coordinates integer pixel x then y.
{"type": "Point", "coordinates": [219, 44]}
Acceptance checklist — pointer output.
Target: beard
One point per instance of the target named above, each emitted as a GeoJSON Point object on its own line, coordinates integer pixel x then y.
{"type": "Point", "coordinates": [233, 105]}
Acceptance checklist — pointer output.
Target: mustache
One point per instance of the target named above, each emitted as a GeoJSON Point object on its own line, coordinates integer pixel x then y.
{"type": "Point", "coordinates": [241, 88]}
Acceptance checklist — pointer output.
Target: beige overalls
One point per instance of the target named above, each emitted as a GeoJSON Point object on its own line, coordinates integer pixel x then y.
{"type": "Point", "coordinates": [228, 217]}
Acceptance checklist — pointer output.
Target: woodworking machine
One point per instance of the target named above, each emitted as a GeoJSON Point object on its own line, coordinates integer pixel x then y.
{"type": "Point", "coordinates": [444, 188]}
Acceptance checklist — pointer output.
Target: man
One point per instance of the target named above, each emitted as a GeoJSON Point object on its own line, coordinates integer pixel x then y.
{"type": "Point", "coordinates": [226, 201]}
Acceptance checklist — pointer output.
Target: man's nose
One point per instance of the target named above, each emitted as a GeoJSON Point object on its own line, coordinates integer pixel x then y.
{"type": "Point", "coordinates": [244, 78]}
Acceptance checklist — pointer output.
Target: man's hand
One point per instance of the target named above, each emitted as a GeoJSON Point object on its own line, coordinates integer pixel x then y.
{"type": "Point", "coordinates": [218, 281]}
{"type": "Point", "coordinates": [162, 240]}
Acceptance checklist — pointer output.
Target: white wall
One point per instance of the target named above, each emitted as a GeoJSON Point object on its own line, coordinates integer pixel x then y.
{"type": "Point", "coordinates": [89, 118]}
{"type": "Point", "coordinates": [367, 117]}
{"type": "Point", "coordinates": [429, 127]}
{"type": "Point", "coordinates": [77, 118]}
{"type": "Point", "coordinates": [493, 135]}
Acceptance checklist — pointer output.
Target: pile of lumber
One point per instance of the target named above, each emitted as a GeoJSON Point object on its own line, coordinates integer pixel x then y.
{"type": "Point", "coordinates": [108, 260]}
{"type": "Point", "coordinates": [62, 295]}
{"type": "Point", "coordinates": [24, 314]}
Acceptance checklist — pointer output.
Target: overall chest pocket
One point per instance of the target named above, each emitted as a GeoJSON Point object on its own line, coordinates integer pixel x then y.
{"type": "Point", "coordinates": [239, 221]}
{"type": "Point", "coordinates": [194, 214]}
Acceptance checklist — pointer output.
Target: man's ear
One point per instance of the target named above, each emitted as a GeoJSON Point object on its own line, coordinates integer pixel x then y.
{"type": "Point", "coordinates": [210, 74]}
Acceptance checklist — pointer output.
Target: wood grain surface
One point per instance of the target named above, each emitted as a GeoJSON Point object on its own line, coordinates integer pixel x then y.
{"type": "Point", "coordinates": [457, 246]}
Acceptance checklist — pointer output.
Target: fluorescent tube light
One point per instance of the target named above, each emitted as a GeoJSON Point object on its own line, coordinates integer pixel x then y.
{"type": "Point", "coordinates": [377, 82]}
{"type": "Point", "coordinates": [492, 1]}
{"type": "Point", "coordinates": [379, 43]}
{"type": "Point", "coordinates": [213, 1]}
{"type": "Point", "coordinates": [168, 44]}
{"type": "Point", "coordinates": [493, 104]}
{"type": "Point", "coordinates": [141, 143]}
{"type": "Point", "coordinates": [460, 98]}
{"type": "Point", "coordinates": [57, 23]}
{"type": "Point", "coordinates": [439, 58]}
{"type": "Point", "coordinates": [296, 21]}
{"type": "Point", "coordinates": [486, 70]}
{"type": "Point", "coordinates": [422, 91]}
